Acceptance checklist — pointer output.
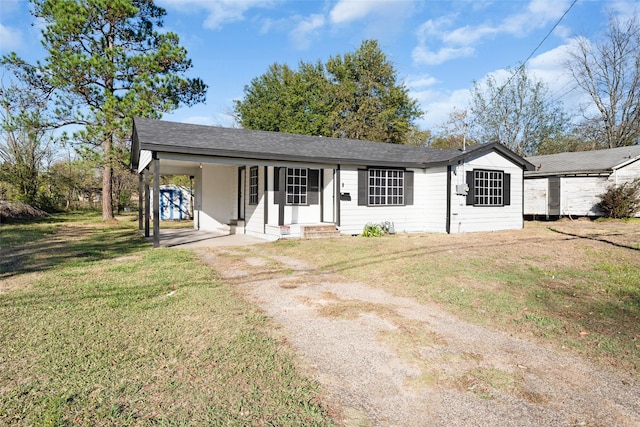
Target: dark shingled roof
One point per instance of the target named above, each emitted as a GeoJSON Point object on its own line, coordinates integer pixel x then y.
{"type": "Point", "coordinates": [582, 162]}
{"type": "Point", "coordinates": [172, 137]}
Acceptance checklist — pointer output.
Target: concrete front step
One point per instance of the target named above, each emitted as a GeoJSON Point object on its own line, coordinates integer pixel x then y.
{"type": "Point", "coordinates": [319, 231]}
{"type": "Point", "coordinates": [236, 226]}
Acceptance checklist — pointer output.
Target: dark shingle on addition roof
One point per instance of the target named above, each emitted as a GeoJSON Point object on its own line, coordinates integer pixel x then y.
{"type": "Point", "coordinates": [164, 136]}
{"type": "Point", "coordinates": [598, 161]}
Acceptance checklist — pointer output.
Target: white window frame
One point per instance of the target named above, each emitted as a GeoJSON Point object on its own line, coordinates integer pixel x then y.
{"type": "Point", "coordinates": [488, 187]}
{"type": "Point", "coordinates": [385, 187]}
{"type": "Point", "coordinates": [296, 186]}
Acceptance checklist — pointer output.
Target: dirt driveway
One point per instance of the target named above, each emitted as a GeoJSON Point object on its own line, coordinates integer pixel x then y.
{"type": "Point", "coordinates": [390, 361]}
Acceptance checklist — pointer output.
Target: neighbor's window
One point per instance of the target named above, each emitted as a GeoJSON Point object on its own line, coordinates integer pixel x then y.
{"type": "Point", "coordinates": [297, 186]}
{"type": "Point", "coordinates": [253, 185]}
{"type": "Point", "coordinates": [386, 187]}
{"type": "Point", "coordinates": [488, 188]}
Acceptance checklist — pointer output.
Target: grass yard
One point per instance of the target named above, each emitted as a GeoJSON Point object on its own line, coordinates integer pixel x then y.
{"type": "Point", "coordinates": [97, 328]}
{"type": "Point", "coordinates": [574, 285]}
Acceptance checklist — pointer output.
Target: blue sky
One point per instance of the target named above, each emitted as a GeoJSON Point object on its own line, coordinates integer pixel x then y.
{"type": "Point", "coordinates": [438, 47]}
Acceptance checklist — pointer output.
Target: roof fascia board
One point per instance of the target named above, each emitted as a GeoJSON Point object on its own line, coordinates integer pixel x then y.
{"type": "Point", "coordinates": [626, 163]}
{"type": "Point", "coordinates": [270, 158]}
{"type": "Point", "coordinates": [483, 149]}
{"type": "Point", "coordinates": [238, 161]}
{"type": "Point", "coordinates": [604, 172]}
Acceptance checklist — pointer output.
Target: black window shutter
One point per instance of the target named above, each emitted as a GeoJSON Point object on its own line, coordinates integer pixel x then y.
{"type": "Point", "coordinates": [276, 185]}
{"type": "Point", "coordinates": [470, 185]}
{"type": "Point", "coordinates": [506, 189]}
{"type": "Point", "coordinates": [313, 189]}
{"type": "Point", "coordinates": [363, 185]}
{"type": "Point", "coordinates": [408, 188]}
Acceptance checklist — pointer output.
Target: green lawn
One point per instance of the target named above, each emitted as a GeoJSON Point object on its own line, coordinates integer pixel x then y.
{"type": "Point", "coordinates": [97, 328]}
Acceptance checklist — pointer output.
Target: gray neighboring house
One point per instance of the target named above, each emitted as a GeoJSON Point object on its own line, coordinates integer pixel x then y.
{"type": "Point", "coordinates": [275, 185]}
{"type": "Point", "coordinates": [568, 184]}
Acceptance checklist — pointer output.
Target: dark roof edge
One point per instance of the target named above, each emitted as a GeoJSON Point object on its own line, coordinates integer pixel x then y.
{"type": "Point", "coordinates": [481, 149]}
{"type": "Point", "coordinates": [278, 157]}
{"type": "Point", "coordinates": [542, 174]}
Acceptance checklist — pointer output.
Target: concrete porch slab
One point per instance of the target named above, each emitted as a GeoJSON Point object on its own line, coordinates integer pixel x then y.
{"type": "Point", "coordinates": [188, 238]}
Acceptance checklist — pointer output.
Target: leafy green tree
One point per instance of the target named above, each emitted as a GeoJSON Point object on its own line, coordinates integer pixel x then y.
{"type": "Point", "coordinates": [25, 140]}
{"type": "Point", "coordinates": [74, 180]}
{"type": "Point", "coordinates": [106, 63]}
{"type": "Point", "coordinates": [352, 96]}
{"type": "Point", "coordinates": [370, 103]}
{"type": "Point", "coordinates": [518, 113]}
{"type": "Point", "coordinates": [285, 100]}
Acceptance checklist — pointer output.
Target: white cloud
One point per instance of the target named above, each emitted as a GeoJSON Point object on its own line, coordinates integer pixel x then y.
{"type": "Point", "coordinates": [305, 29]}
{"type": "Point", "coordinates": [468, 35]}
{"type": "Point", "coordinates": [439, 105]}
{"type": "Point", "coordinates": [420, 81]}
{"type": "Point", "coordinates": [219, 12]}
{"type": "Point", "coordinates": [438, 42]}
{"type": "Point", "coordinates": [10, 39]}
{"type": "Point", "coordinates": [346, 11]}
{"type": "Point", "coordinates": [422, 55]}
{"type": "Point", "coordinates": [350, 10]}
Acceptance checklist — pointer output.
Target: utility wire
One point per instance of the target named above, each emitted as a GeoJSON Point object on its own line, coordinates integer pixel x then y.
{"type": "Point", "coordinates": [535, 50]}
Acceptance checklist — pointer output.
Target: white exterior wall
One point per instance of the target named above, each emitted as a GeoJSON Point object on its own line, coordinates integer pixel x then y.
{"type": "Point", "coordinates": [430, 192]}
{"type": "Point", "coordinates": [145, 159]}
{"type": "Point", "coordinates": [579, 195]}
{"type": "Point", "coordinates": [536, 200]}
{"type": "Point", "coordinates": [218, 191]}
{"type": "Point", "coordinates": [428, 212]}
{"type": "Point", "coordinates": [487, 218]}
{"type": "Point", "coordinates": [626, 173]}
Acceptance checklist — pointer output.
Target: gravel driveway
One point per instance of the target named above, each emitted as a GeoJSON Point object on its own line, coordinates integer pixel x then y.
{"type": "Point", "coordinates": [384, 360]}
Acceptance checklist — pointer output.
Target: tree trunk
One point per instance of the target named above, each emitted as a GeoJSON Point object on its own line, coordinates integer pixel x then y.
{"type": "Point", "coordinates": [107, 206]}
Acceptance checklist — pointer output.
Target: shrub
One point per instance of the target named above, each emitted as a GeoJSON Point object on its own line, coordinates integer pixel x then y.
{"type": "Point", "coordinates": [373, 230]}
{"type": "Point", "coordinates": [621, 201]}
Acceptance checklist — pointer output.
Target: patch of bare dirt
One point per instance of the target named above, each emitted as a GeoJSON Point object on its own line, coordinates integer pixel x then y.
{"type": "Point", "coordinates": [386, 360]}
{"type": "Point", "coordinates": [11, 211]}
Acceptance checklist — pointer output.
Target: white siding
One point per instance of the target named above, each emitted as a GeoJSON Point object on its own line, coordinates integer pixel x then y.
{"type": "Point", "coordinates": [218, 196]}
{"type": "Point", "coordinates": [535, 196]}
{"type": "Point", "coordinates": [482, 218]}
{"type": "Point", "coordinates": [430, 192]}
{"type": "Point", "coordinates": [145, 159]}
{"type": "Point", "coordinates": [428, 212]}
{"type": "Point", "coordinates": [626, 173]}
{"type": "Point", "coordinates": [579, 195]}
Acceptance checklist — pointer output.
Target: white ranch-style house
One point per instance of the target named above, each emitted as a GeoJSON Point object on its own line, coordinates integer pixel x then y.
{"type": "Point", "coordinates": [279, 185]}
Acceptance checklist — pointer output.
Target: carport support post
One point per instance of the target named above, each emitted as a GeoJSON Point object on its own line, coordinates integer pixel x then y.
{"type": "Point", "coordinates": [140, 201]}
{"type": "Point", "coordinates": [147, 202]}
{"type": "Point", "coordinates": [156, 201]}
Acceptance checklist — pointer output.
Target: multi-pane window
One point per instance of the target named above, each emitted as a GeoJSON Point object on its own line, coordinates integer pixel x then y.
{"type": "Point", "coordinates": [297, 179]}
{"type": "Point", "coordinates": [488, 188]}
{"type": "Point", "coordinates": [386, 187]}
{"type": "Point", "coordinates": [253, 185]}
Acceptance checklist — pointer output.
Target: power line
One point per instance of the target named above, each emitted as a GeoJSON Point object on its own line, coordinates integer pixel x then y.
{"type": "Point", "coordinates": [535, 50]}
